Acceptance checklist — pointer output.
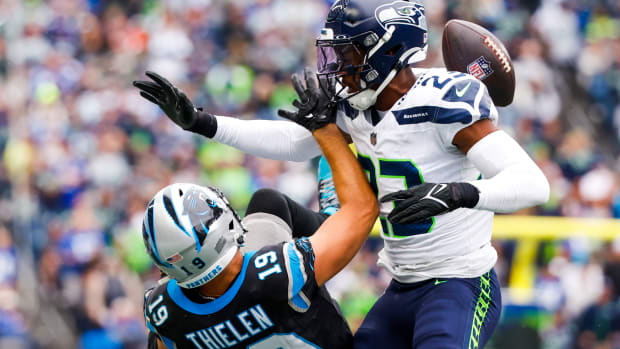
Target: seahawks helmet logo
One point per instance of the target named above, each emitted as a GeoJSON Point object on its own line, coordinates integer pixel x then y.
{"type": "Point", "coordinates": [337, 9]}
{"type": "Point", "coordinates": [401, 12]}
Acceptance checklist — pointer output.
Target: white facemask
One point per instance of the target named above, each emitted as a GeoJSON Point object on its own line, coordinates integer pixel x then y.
{"type": "Point", "coordinates": [363, 100]}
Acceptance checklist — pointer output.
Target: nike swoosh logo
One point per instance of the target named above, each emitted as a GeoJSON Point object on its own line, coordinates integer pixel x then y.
{"type": "Point", "coordinates": [440, 187]}
{"type": "Point", "coordinates": [461, 92]}
{"type": "Point", "coordinates": [432, 192]}
{"type": "Point", "coordinates": [437, 281]}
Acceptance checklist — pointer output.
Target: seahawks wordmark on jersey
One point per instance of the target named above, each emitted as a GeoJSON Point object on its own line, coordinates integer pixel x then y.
{"type": "Point", "coordinates": [412, 144]}
{"type": "Point", "coordinates": [273, 303]}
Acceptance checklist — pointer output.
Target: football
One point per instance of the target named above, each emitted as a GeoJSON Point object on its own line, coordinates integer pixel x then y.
{"type": "Point", "coordinates": [470, 48]}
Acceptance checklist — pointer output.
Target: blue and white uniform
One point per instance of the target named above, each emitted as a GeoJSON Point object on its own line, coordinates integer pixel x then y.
{"type": "Point", "coordinates": [412, 144]}
{"type": "Point", "coordinates": [444, 293]}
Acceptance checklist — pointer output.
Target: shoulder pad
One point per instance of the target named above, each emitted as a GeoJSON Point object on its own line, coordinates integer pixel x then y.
{"type": "Point", "coordinates": [464, 89]}
{"type": "Point", "coordinates": [345, 108]}
{"type": "Point", "coordinates": [446, 98]}
{"type": "Point", "coordinates": [440, 78]}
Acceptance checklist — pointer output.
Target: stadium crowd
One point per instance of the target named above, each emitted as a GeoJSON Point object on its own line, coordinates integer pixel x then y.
{"type": "Point", "coordinates": [82, 153]}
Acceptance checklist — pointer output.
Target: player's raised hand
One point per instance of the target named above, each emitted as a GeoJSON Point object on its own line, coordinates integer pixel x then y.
{"type": "Point", "coordinates": [315, 106]}
{"type": "Point", "coordinates": [170, 99]}
{"type": "Point", "coordinates": [430, 199]}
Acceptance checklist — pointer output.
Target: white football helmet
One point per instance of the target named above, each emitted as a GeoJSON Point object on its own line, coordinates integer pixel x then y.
{"type": "Point", "coordinates": [191, 233]}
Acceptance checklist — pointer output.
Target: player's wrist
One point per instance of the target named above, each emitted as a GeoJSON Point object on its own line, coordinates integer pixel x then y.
{"type": "Point", "coordinates": [327, 129]}
{"type": "Point", "coordinates": [465, 194]}
{"type": "Point", "coordinates": [204, 124]}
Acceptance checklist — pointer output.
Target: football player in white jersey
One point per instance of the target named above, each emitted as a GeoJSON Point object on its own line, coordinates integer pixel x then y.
{"type": "Point", "coordinates": [433, 154]}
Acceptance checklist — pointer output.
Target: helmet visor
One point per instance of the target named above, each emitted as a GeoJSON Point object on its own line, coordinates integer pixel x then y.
{"type": "Point", "coordinates": [327, 60]}
{"type": "Point", "coordinates": [338, 56]}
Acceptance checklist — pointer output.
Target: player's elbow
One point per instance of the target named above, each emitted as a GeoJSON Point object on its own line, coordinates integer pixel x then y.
{"type": "Point", "coordinates": [367, 212]}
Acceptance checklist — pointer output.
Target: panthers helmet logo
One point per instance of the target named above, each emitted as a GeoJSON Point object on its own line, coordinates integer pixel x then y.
{"type": "Point", "coordinates": [401, 12]}
{"type": "Point", "coordinates": [202, 212]}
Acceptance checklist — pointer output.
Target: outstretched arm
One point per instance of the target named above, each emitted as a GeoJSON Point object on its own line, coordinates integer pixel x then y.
{"type": "Point", "coordinates": [340, 237]}
{"type": "Point", "coordinates": [277, 140]}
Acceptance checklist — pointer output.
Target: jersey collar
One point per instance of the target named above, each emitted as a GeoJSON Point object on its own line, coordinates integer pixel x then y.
{"type": "Point", "coordinates": [177, 296]}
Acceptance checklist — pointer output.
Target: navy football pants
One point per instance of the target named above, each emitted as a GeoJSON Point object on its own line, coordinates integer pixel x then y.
{"type": "Point", "coordinates": [433, 314]}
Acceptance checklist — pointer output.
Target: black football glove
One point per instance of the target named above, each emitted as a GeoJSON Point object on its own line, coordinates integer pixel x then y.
{"type": "Point", "coordinates": [176, 105]}
{"type": "Point", "coordinates": [315, 105]}
{"type": "Point", "coordinates": [430, 199]}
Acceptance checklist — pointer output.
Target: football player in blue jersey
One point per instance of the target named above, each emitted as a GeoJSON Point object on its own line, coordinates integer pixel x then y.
{"type": "Point", "coordinates": [429, 144]}
{"type": "Point", "coordinates": [215, 296]}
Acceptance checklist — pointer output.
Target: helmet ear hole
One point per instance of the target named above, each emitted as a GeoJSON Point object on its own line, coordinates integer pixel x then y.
{"type": "Point", "coordinates": [231, 225]}
{"type": "Point", "coordinates": [180, 192]}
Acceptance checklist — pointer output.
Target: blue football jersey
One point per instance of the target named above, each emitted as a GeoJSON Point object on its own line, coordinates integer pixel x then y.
{"type": "Point", "coordinates": [273, 303]}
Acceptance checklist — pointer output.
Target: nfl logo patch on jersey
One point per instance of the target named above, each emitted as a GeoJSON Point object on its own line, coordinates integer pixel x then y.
{"type": "Point", "coordinates": [480, 68]}
{"type": "Point", "coordinates": [373, 138]}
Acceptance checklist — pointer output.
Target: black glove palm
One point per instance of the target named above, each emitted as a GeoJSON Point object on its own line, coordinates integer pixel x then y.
{"type": "Point", "coordinates": [170, 99]}
{"type": "Point", "coordinates": [430, 199]}
{"type": "Point", "coordinates": [315, 106]}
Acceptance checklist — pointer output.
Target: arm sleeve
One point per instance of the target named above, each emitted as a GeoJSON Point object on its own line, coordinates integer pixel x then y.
{"type": "Point", "coordinates": [512, 180]}
{"type": "Point", "coordinates": [278, 140]}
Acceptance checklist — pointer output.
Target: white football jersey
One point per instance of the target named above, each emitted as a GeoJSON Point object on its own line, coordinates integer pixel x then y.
{"type": "Point", "coordinates": [412, 144]}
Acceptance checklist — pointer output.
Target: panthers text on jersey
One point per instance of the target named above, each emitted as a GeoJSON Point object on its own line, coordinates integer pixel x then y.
{"type": "Point", "coordinates": [273, 303]}
{"type": "Point", "coordinates": [412, 144]}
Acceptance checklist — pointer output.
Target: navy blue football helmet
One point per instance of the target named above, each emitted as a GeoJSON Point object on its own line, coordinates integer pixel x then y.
{"type": "Point", "coordinates": [369, 42]}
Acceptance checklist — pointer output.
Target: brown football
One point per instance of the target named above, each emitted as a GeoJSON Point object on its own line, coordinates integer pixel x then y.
{"type": "Point", "coordinates": [470, 48]}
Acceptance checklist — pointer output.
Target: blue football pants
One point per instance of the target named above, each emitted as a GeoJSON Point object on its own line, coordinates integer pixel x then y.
{"type": "Point", "coordinates": [454, 313]}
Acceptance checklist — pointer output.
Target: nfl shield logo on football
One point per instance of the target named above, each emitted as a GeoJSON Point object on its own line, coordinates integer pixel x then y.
{"type": "Point", "coordinates": [480, 68]}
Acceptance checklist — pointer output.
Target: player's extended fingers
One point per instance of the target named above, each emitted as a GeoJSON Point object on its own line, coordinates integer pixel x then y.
{"type": "Point", "coordinates": [161, 81]}
{"type": "Point", "coordinates": [405, 207]}
{"type": "Point", "coordinates": [414, 217]}
{"type": "Point", "coordinates": [297, 104]}
{"type": "Point", "coordinates": [327, 85]}
{"type": "Point", "coordinates": [149, 87]}
{"type": "Point", "coordinates": [299, 87]}
{"type": "Point", "coordinates": [291, 115]}
{"type": "Point", "coordinates": [409, 215]}
{"type": "Point", "coordinates": [396, 218]}
{"type": "Point", "coordinates": [310, 78]}
{"type": "Point", "coordinates": [398, 195]}
{"type": "Point", "coordinates": [149, 97]}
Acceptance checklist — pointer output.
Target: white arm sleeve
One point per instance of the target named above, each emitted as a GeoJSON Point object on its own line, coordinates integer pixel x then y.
{"type": "Point", "coordinates": [278, 140]}
{"type": "Point", "coordinates": [512, 180]}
